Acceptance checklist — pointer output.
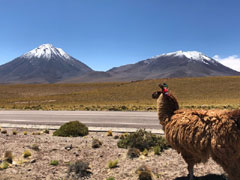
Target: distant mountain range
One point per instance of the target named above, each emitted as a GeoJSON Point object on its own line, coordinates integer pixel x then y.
{"type": "Point", "coordinates": [48, 64]}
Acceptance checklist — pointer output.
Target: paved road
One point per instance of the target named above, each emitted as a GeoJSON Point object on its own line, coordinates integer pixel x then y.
{"type": "Point", "coordinates": [146, 120]}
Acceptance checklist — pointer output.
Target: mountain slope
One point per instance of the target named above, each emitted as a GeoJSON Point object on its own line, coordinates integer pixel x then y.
{"type": "Point", "coordinates": [45, 64]}
{"type": "Point", "coordinates": [176, 64]}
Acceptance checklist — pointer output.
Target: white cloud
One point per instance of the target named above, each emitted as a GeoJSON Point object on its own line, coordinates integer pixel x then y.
{"type": "Point", "coordinates": [232, 62]}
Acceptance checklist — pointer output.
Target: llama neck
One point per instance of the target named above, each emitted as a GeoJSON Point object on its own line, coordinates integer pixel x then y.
{"type": "Point", "coordinates": [165, 109]}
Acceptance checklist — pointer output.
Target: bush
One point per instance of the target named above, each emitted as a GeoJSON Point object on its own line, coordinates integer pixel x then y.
{"type": "Point", "coordinates": [145, 152]}
{"type": "Point", "coordinates": [142, 140]}
{"type": "Point", "coordinates": [8, 157]}
{"type": "Point", "coordinates": [133, 153]}
{"type": "Point", "coordinates": [14, 132]}
{"type": "Point", "coordinates": [144, 173]}
{"type": "Point", "coordinates": [4, 131]}
{"type": "Point", "coordinates": [4, 165]}
{"type": "Point", "coordinates": [157, 150]}
{"type": "Point", "coordinates": [54, 162]}
{"type": "Point", "coordinates": [27, 153]}
{"type": "Point", "coordinates": [109, 133]}
{"type": "Point", "coordinates": [72, 129]}
{"type": "Point", "coordinates": [124, 135]}
{"type": "Point", "coordinates": [112, 164]}
{"type": "Point", "coordinates": [110, 178]}
{"type": "Point", "coordinates": [36, 133]}
{"type": "Point", "coordinates": [46, 131]}
{"type": "Point", "coordinates": [25, 132]}
{"type": "Point", "coordinates": [35, 147]}
{"type": "Point", "coordinates": [79, 169]}
{"type": "Point", "coordinates": [96, 143]}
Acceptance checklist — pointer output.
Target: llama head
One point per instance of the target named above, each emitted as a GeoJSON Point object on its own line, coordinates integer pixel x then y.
{"type": "Point", "coordinates": [165, 101]}
{"type": "Point", "coordinates": [155, 95]}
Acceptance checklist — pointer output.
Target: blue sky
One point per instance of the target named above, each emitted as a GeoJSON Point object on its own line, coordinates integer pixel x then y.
{"type": "Point", "coordinates": [109, 33]}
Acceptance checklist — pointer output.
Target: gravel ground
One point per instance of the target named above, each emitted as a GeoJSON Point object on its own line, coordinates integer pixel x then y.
{"type": "Point", "coordinates": [168, 166]}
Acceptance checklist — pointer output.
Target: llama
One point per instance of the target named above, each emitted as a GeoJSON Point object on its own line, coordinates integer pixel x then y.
{"type": "Point", "coordinates": [200, 134]}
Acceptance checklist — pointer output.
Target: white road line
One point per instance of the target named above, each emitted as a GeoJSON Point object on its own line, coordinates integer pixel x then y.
{"type": "Point", "coordinates": [23, 120]}
{"type": "Point", "coordinates": [95, 129]}
{"type": "Point", "coordinates": [112, 115]}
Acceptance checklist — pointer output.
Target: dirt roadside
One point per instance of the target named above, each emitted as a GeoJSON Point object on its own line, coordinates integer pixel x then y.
{"type": "Point", "coordinates": [168, 166]}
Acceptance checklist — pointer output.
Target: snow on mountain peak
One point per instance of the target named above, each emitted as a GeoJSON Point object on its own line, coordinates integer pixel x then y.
{"type": "Point", "coordinates": [47, 51]}
{"type": "Point", "coordinates": [191, 55]}
{"type": "Point", "coordinates": [195, 55]}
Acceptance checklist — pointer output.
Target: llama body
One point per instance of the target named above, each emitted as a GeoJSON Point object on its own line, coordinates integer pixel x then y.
{"type": "Point", "coordinates": [199, 134]}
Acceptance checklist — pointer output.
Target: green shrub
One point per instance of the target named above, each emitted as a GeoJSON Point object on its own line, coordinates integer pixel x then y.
{"type": "Point", "coordinates": [72, 129]}
{"type": "Point", "coordinates": [157, 150]}
{"type": "Point", "coordinates": [4, 131]}
{"type": "Point", "coordinates": [35, 147]}
{"type": "Point", "coordinates": [14, 132]}
{"type": "Point", "coordinates": [54, 162]}
{"type": "Point", "coordinates": [124, 135]}
{"type": "Point", "coordinates": [79, 169]}
{"type": "Point", "coordinates": [145, 152]}
{"type": "Point", "coordinates": [133, 153]}
{"type": "Point", "coordinates": [142, 140]}
{"type": "Point", "coordinates": [46, 131]}
{"type": "Point", "coordinates": [8, 156]}
{"type": "Point", "coordinates": [144, 173]}
{"type": "Point", "coordinates": [96, 143]}
{"type": "Point", "coordinates": [36, 133]}
{"type": "Point", "coordinates": [112, 164]}
{"type": "Point", "coordinates": [110, 178]}
{"type": "Point", "coordinates": [25, 132]}
{"type": "Point", "coordinates": [4, 165]}
{"type": "Point", "coordinates": [27, 153]}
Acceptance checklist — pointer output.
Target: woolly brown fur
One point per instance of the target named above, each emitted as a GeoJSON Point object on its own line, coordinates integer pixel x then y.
{"type": "Point", "coordinates": [199, 134]}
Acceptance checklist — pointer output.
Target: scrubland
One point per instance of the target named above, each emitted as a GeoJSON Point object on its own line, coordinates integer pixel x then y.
{"type": "Point", "coordinates": [38, 155]}
{"type": "Point", "coordinates": [206, 92]}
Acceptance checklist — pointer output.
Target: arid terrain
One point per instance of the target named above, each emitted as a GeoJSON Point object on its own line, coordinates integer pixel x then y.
{"type": "Point", "coordinates": [207, 92]}
{"type": "Point", "coordinates": [167, 166]}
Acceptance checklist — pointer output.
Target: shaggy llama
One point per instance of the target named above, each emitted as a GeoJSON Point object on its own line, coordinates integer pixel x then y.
{"type": "Point", "coordinates": [199, 134]}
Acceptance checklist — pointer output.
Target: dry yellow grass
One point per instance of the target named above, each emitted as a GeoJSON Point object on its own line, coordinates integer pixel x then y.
{"type": "Point", "coordinates": [206, 92]}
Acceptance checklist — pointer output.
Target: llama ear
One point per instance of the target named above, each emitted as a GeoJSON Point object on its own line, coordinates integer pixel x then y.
{"type": "Point", "coordinates": [161, 86]}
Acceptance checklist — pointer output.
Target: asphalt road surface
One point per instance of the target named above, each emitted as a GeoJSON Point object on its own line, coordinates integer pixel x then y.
{"type": "Point", "coordinates": [146, 120]}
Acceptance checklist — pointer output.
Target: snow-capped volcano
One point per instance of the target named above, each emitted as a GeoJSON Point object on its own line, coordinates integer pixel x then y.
{"type": "Point", "coordinates": [174, 64]}
{"type": "Point", "coordinates": [44, 64]}
{"type": "Point", "coordinates": [46, 51]}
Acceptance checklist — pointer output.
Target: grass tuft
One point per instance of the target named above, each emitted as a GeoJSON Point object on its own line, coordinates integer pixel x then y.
{"type": "Point", "coordinates": [8, 156]}
{"type": "Point", "coordinates": [27, 154]}
{"type": "Point", "coordinates": [54, 162]}
{"type": "Point", "coordinates": [4, 165]}
{"type": "Point", "coordinates": [112, 164]}
{"type": "Point", "coordinates": [4, 131]}
{"type": "Point", "coordinates": [14, 132]}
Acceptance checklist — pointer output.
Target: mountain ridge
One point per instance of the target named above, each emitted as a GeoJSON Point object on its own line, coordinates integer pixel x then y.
{"type": "Point", "coordinates": [48, 64]}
